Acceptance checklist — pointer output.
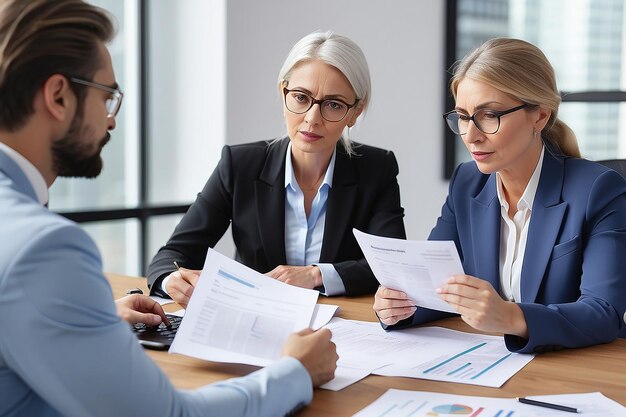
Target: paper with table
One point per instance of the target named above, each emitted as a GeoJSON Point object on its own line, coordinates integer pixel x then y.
{"type": "Point", "coordinates": [241, 316]}
{"type": "Point", "coordinates": [400, 403]}
{"type": "Point", "coordinates": [417, 268]}
{"type": "Point", "coordinates": [433, 353]}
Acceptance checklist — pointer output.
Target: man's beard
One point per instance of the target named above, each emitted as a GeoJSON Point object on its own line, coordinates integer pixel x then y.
{"type": "Point", "coordinates": [73, 158]}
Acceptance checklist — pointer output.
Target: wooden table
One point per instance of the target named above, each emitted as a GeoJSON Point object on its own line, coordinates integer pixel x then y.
{"type": "Point", "coordinates": [598, 368]}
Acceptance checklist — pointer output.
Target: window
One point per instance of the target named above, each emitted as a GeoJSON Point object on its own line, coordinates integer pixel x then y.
{"type": "Point", "coordinates": [584, 40]}
{"type": "Point", "coordinates": [115, 209]}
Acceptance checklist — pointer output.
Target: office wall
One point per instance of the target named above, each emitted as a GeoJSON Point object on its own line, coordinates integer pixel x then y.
{"type": "Point", "coordinates": [403, 41]}
{"type": "Point", "coordinates": [214, 68]}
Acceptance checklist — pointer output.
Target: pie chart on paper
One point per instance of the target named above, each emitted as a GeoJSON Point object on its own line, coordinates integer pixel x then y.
{"type": "Point", "coordinates": [453, 409]}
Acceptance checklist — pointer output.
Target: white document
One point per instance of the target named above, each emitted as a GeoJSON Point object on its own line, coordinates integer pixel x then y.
{"type": "Point", "coordinates": [241, 316]}
{"type": "Point", "coordinates": [358, 353]}
{"type": "Point", "coordinates": [427, 352]}
{"type": "Point", "coordinates": [465, 358]}
{"type": "Point", "coordinates": [417, 268]}
{"type": "Point", "coordinates": [162, 301]}
{"type": "Point", "coordinates": [399, 403]}
{"type": "Point", "coordinates": [322, 315]}
{"type": "Point", "coordinates": [345, 376]}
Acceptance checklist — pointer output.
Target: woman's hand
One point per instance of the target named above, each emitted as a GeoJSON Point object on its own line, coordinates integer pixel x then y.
{"type": "Point", "coordinates": [392, 306]}
{"type": "Point", "coordinates": [140, 309]}
{"type": "Point", "coordinates": [481, 306]}
{"type": "Point", "coordinates": [300, 276]}
{"type": "Point", "coordinates": [181, 284]}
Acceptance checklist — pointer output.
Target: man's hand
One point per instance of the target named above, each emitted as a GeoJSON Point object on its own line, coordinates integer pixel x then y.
{"type": "Point", "coordinates": [181, 285]}
{"type": "Point", "coordinates": [300, 276]}
{"type": "Point", "coordinates": [141, 309]}
{"type": "Point", "coordinates": [315, 351]}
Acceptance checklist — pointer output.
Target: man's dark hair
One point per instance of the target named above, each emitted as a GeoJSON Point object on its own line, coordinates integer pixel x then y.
{"type": "Point", "coordinates": [40, 38]}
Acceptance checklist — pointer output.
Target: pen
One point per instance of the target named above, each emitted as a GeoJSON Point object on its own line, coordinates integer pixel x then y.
{"type": "Point", "coordinates": [176, 265]}
{"type": "Point", "coordinates": [548, 405]}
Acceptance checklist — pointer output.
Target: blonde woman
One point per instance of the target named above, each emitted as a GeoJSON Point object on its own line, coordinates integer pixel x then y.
{"type": "Point", "coordinates": [541, 232]}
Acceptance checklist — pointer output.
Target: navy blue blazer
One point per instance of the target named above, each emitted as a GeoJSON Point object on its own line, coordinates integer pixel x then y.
{"type": "Point", "coordinates": [573, 282]}
{"type": "Point", "coordinates": [247, 188]}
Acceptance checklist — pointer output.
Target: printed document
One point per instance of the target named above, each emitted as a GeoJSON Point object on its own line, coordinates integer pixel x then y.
{"type": "Point", "coordinates": [241, 316]}
{"type": "Point", "coordinates": [415, 267]}
{"type": "Point", "coordinates": [432, 353]}
{"type": "Point", "coordinates": [400, 403]}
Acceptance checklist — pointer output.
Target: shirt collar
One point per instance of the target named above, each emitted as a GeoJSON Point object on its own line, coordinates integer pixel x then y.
{"type": "Point", "coordinates": [34, 176]}
{"type": "Point", "coordinates": [528, 197]}
{"type": "Point", "coordinates": [290, 177]}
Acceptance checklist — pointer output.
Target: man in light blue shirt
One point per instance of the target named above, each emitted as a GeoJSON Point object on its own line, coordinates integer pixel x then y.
{"type": "Point", "coordinates": [64, 349]}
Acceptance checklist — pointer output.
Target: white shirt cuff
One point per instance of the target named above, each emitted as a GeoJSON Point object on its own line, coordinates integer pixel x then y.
{"type": "Point", "coordinates": [164, 283]}
{"type": "Point", "coordinates": [333, 285]}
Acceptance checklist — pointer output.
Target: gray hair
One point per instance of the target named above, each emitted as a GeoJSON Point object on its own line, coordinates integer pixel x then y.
{"type": "Point", "coordinates": [339, 52]}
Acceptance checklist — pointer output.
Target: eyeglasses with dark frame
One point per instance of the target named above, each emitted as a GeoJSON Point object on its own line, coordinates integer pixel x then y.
{"type": "Point", "coordinates": [486, 120]}
{"type": "Point", "coordinates": [331, 109]}
{"type": "Point", "coordinates": [113, 103]}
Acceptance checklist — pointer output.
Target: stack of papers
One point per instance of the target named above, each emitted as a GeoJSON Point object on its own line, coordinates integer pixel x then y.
{"type": "Point", "coordinates": [433, 353]}
{"type": "Point", "coordinates": [238, 315]}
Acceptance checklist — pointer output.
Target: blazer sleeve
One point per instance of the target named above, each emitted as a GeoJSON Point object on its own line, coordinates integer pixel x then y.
{"type": "Point", "coordinates": [386, 219]}
{"type": "Point", "coordinates": [66, 342]}
{"type": "Point", "coordinates": [596, 317]}
{"type": "Point", "coordinates": [201, 227]}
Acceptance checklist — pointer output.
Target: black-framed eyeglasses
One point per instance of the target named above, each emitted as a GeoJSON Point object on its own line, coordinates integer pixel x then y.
{"type": "Point", "coordinates": [331, 109]}
{"type": "Point", "coordinates": [486, 120]}
{"type": "Point", "coordinates": [113, 103]}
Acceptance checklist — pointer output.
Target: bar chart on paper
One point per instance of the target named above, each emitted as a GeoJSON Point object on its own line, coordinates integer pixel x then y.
{"type": "Point", "coordinates": [462, 358]}
{"type": "Point", "coordinates": [469, 365]}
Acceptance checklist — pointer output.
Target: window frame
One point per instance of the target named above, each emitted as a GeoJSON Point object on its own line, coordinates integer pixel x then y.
{"type": "Point", "coordinates": [143, 211]}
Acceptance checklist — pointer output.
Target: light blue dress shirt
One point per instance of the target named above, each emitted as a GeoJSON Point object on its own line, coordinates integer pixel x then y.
{"type": "Point", "coordinates": [65, 351]}
{"type": "Point", "coordinates": [303, 237]}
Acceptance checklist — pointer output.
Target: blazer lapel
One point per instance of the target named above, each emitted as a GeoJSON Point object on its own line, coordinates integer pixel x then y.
{"type": "Point", "coordinates": [545, 223]}
{"type": "Point", "coordinates": [269, 190]}
{"type": "Point", "coordinates": [485, 222]}
{"type": "Point", "coordinates": [340, 205]}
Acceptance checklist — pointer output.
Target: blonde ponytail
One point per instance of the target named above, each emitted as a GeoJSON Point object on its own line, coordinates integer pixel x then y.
{"type": "Point", "coordinates": [562, 137]}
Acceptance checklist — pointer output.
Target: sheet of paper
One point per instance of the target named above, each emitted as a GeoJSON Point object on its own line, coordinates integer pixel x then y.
{"type": "Point", "coordinates": [399, 403]}
{"type": "Point", "coordinates": [179, 313]}
{"type": "Point", "coordinates": [416, 267]}
{"type": "Point", "coordinates": [427, 352]}
{"type": "Point", "coordinates": [239, 315]}
{"type": "Point", "coordinates": [345, 376]}
{"type": "Point", "coordinates": [322, 315]}
{"type": "Point", "coordinates": [475, 359]}
{"type": "Point", "coordinates": [592, 404]}
{"type": "Point", "coordinates": [162, 301]}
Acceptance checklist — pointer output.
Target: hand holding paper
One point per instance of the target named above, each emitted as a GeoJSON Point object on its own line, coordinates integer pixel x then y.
{"type": "Point", "coordinates": [416, 268]}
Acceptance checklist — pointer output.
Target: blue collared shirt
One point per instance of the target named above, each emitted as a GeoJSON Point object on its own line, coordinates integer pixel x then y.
{"type": "Point", "coordinates": [303, 237]}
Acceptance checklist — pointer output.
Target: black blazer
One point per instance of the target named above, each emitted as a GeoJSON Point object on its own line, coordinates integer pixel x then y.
{"type": "Point", "coordinates": [248, 188]}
